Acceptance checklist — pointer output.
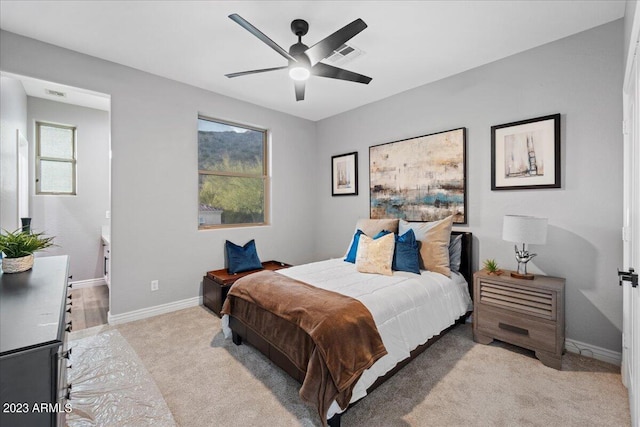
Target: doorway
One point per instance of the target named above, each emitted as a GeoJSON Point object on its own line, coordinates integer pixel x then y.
{"type": "Point", "coordinates": [79, 220]}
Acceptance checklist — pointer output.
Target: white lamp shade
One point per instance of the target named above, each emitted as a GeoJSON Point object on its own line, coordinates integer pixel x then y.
{"type": "Point", "coordinates": [524, 229]}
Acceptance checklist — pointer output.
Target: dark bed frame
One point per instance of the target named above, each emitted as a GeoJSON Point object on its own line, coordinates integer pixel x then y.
{"type": "Point", "coordinates": [243, 333]}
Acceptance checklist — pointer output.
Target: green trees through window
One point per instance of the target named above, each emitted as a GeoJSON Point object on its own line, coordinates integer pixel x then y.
{"type": "Point", "coordinates": [233, 178]}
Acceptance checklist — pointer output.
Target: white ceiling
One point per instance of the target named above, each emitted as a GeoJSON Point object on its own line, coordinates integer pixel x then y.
{"type": "Point", "coordinates": [407, 43]}
{"type": "Point", "coordinates": [62, 93]}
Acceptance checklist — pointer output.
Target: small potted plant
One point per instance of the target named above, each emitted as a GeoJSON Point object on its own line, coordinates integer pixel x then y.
{"type": "Point", "coordinates": [492, 267]}
{"type": "Point", "coordinates": [18, 248]}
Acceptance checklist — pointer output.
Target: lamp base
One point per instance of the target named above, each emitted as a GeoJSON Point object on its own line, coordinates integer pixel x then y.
{"type": "Point", "coordinates": [526, 276]}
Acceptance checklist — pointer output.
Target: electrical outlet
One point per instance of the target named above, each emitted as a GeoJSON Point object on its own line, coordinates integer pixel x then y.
{"type": "Point", "coordinates": [107, 215]}
{"type": "Point", "coordinates": [154, 285]}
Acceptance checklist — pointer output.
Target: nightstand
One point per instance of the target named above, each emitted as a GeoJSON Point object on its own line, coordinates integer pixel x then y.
{"type": "Point", "coordinates": [527, 313]}
{"type": "Point", "coordinates": [216, 284]}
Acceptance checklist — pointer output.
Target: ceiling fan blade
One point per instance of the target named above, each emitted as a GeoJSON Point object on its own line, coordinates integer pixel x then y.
{"type": "Point", "coordinates": [263, 70]}
{"type": "Point", "coordinates": [323, 48]}
{"type": "Point", "coordinates": [299, 85]}
{"type": "Point", "coordinates": [324, 70]}
{"type": "Point", "coordinates": [259, 34]}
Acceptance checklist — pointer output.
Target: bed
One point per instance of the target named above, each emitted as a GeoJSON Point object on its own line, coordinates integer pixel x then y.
{"type": "Point", "coordinates": [410, 311]}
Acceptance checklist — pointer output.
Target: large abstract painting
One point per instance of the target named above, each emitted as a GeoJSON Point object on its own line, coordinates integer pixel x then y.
{"type": "Point", "coordinates": [420, 179]}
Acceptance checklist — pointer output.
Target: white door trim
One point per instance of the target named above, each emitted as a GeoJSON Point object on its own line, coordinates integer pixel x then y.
{"type": "Point", "coordinates": [631, 223]}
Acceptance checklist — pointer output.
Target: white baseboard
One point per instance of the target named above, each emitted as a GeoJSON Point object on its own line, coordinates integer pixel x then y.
{"type": "Point", "coordinates": [145, 313]}
{"type": "Point", "coordinates": [593, 351]}
{"type": "Point", "coordinates": [89, 283]}
{"type": "Point", "coordinates": [572, 346]}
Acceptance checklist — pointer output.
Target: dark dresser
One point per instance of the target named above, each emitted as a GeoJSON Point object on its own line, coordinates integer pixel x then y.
{"type": "Point", "coordinates": [33, 350]}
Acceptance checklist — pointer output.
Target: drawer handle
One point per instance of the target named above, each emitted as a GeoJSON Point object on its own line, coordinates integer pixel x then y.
{"type": "Point", "coordinates": [514, 329]}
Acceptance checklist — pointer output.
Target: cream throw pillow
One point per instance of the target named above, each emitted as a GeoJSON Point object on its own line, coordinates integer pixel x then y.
{"type": "Point", "coordinates": [434, 243]}
{"type": "Point", "coordinates": [375, 256]}
{"type": "Point", "coordinates": [371, 227]}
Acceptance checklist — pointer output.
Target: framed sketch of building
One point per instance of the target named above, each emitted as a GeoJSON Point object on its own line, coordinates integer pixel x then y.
{"type": "Point", "coordinates": [526, 154]}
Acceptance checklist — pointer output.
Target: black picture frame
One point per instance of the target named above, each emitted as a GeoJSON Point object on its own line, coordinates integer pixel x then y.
{"type": "Point", "coordinates": [526, 154]}
{"type": "Point", "coordinates": [344, 174]}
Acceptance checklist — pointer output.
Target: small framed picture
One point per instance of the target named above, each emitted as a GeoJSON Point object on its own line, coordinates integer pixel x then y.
{"type": "Point", "coordinates": [526, 154]}
{"type": "Point", "coordinates": [344, 175]}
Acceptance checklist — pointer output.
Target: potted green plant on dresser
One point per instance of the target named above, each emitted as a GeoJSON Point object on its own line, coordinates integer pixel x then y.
{"type": "Point", "coordinates": [18, 248]}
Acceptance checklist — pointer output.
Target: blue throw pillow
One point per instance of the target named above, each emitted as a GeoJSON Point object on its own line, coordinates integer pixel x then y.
{"type": "Point", "coordinates": [242, 258]}
{"type": "Point", "coordinates": [353, 250]}
{"type": "Point", "coordinates": [406, 256]}
{"type": "Point", "coordinates": [381, 233]}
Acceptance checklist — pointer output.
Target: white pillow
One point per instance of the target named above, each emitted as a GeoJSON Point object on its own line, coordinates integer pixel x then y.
{"type": "Point", "coordinates": [375, 256]}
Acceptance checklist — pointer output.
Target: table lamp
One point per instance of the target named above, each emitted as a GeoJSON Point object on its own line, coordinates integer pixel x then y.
{"type": "Point", "coordinates": [525, 230]}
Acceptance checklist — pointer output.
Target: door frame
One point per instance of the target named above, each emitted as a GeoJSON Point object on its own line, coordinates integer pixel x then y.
{"type": "Point", "coordinates": [631, 221]}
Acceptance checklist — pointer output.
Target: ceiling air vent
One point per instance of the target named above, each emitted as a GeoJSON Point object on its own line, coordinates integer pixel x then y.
{"type": "Point", "coordinates": [344, 54]}
{"type": "Point", "coordinates": [55, 93]}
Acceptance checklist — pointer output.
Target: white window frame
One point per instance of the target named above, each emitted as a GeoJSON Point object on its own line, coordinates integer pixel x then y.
{"type": "Point", "coordinates": [40, 158]}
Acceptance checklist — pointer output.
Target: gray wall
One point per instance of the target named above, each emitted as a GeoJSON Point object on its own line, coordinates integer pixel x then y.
{"type": "Point", "coordinates": [13, 116]}
{"type": "Point", "coordinates": [154, 184]}
{"type": "Point", "coordinates": [75, 220]}
{"type": "Point", "coordinates": [154, 176]}
{"type": "Point", "coordinates": [579, 77]}
{"type": "Point", "coordinates": [629, 15]}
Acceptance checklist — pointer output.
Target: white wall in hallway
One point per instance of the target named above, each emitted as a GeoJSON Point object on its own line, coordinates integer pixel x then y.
{"type": "Point", "coordinates": [13, 117]}
{"type": "Point", "coordinates": [75, 221]}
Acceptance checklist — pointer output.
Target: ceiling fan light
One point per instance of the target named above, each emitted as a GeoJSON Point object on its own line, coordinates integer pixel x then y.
{"type": "Point", "coordinates": [299, 73]}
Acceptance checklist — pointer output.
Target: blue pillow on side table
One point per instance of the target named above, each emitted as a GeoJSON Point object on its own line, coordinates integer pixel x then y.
{"type": "Point", "coordinates": [242, 258]}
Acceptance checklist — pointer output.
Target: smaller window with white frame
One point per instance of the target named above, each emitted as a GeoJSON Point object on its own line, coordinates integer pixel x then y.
{"type": "Point", "coordinates": [55, 159]}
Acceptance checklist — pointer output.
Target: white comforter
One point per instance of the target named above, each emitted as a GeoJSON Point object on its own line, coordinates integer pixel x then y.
{"type": "Point", "coordinates": [408, 309]}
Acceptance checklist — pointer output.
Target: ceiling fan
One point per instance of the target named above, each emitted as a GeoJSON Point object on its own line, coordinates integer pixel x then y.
{"type": "Point", "coordinates": [304, 61]}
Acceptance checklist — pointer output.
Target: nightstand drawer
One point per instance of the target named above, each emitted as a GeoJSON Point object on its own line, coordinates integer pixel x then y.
{"type": "Point", "coordinates": [530, 301]}
{"type": "Point", "coordinates": [525, 331]}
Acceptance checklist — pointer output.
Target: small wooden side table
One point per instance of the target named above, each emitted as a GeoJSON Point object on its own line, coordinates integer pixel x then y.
{"type": "Point", "coordinates": [216, 284]}
{"type": "Point", "coordinates": [527, 313]}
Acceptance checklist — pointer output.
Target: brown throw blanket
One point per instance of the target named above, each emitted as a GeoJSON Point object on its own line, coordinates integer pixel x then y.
{"type": "Point", "coordinates": [346, 339]}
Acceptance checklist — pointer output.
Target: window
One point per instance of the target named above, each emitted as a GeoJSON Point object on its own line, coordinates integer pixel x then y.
{"type": "Point", "coordinates": [55, 159]}
{"type": "Point", "coordinates": [232, 174]}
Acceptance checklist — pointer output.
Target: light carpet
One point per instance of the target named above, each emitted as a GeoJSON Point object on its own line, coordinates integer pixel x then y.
{"type": "Point", "coordinates": [208, 381]}
{"type": "Point", "coordinates": [110, 385]}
